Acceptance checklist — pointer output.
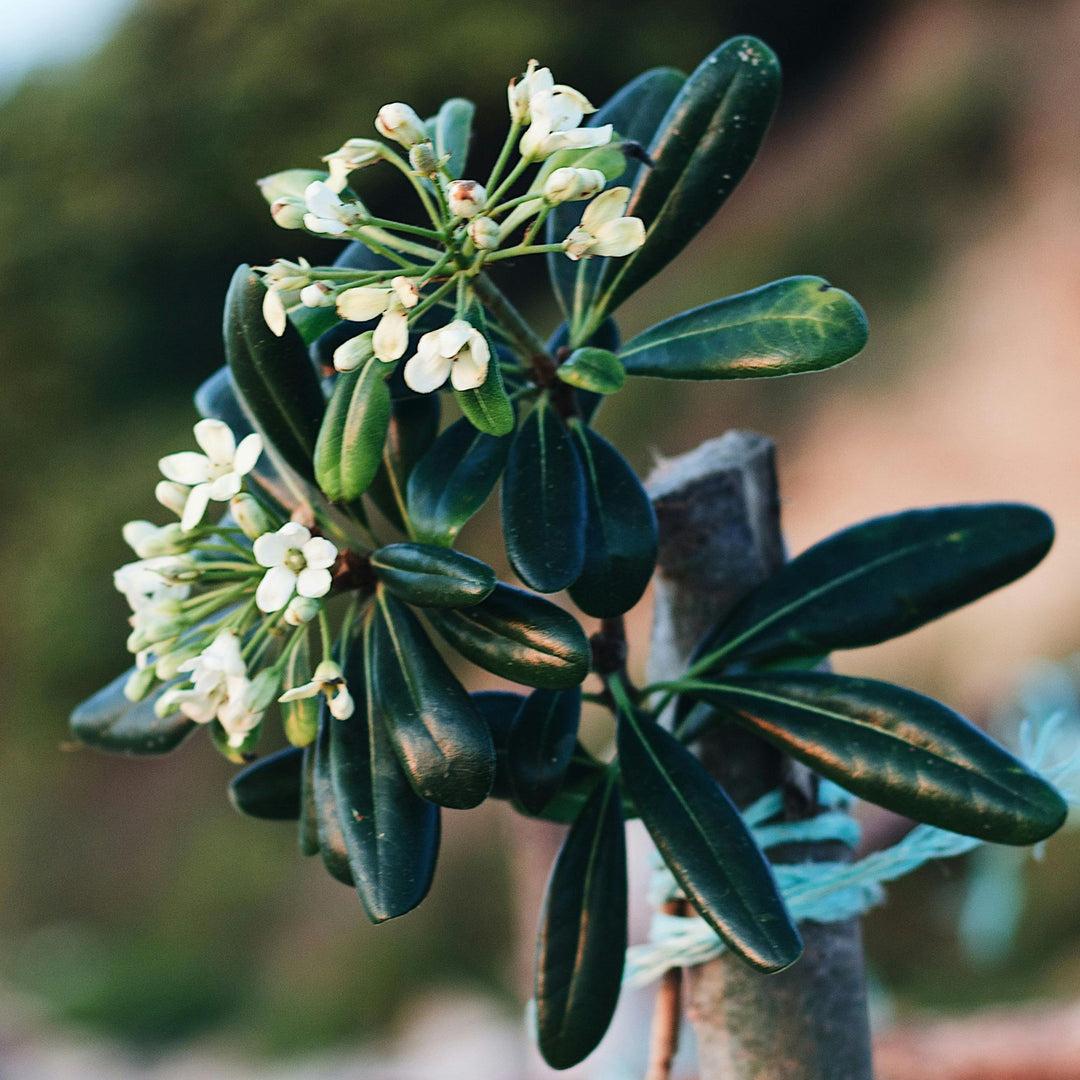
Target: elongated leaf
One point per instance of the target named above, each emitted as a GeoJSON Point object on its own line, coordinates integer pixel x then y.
{"type": "Point", "coordinates": [274, 376]}
{"type": "Point", "coordinates": [595, 370]}
{"type": "Point", "coordinates": [450, 130]}
{"type": "Point", "coordinates": [350, 446]}
{"type": "Point", "coordinates": [906, 752]}
{"type": "Point", "coordinates": [635, 111]}
{"type": "Point", "coordinates": [391, 834]}
{"type": "Point", "coordinates": [270, 788]}
{"type": "Point", "coordinates": [880, 579]}
{"type": "Point", "coordinates": [414, 426]}
{"type": "Point", "coordinates": [620, 532]}
{"type": "Point", "coordinates": [540, 745]}
{"type": "Point", "coordinates": [328, 822]}
{"type": "Point", "coordinates": [108, 721]}
{"type": "Point", "coordinates": [453, 480]}
{"type": "Point", "coordinates": [543, 503]}
{"type": "Point", "coordinates": [441, 740]}
{"type": "Point", "coordinates": [498, 708]}
{"type": "Point", "coordinates": [582, 940]}
{"type": "Point", "coordinates": [706, 844]}
{"type": "Point", "coordinates": [488, 407]}
{"type": "Point", "coordinates": [702, 149]}
{"type": "Point", "coordinates": [519, 636]}
{"type": "Point", "coordinates": [308, 832]}
{"type": "Point", "coordinates": [432, 576]}
{"type": "Point", "coordinates": [791, 326]}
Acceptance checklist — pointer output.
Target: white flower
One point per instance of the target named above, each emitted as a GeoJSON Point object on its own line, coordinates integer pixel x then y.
{"type": "Point", "coordinates": [603, 229]}
{"type": "Point", "coordinates": [300, 610]}
{"type": "Point", "coordinates": [567, 184]}
{"type": "Point", "coordinates": [326, 212]}
{"type": "Point", "coordinates": [556, 115]}
{"type": "Point", "coordinates": [317, 294]}
{"type": "Point", "coordinates": [281, 276]}
{"type": "Point", "coordinates": [355, 352]}
{"type": "Point", "coordinates": [172, 496]}
{"type": "Point", "coordinates": [143, 585]}
{"type": "Point", "coordinates": [330, 682]}
{"type": "Point", "coordinates": [368, 302]}
{"type": "Point", "coordinates": [288, 212]}
{"type": "Point", "coordinates": [399, 122]}
{"type": "Point", "coordinates": [244, 705]}
{"type": "Point", "coordinates": [216, 474]}
{"type": "Point", "coordinates": [465, 198]}
{"type": "Point", "coordinates": [355, 154]}
{"type": "Point", "coordinates": [297, 561]}
{"type": "Point", "coordinates": [148, 540]}
{"type": "Point", "coordinates": [216, 674]}
{"type": "Point", "coordinates": [484, 232]}
{"type": "Point", "coordinates": [457, 350]}
{"type": "Point", "coordinates": [534, 82]}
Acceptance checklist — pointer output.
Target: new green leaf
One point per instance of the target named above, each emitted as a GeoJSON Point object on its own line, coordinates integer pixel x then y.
{"type": "Point", "coordinates": [595, 370]}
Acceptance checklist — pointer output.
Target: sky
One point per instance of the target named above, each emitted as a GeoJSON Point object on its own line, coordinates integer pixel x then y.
{"type": "Point", "coordinates": [40, 32]}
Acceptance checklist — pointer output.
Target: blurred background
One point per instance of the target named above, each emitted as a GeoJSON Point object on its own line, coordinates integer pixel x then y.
{"type": "Point", "coordinates": [925, 158]}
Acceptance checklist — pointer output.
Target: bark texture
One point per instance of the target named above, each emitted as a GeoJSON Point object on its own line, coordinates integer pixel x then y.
{"type": "Point", "coordinates": [719, 515]}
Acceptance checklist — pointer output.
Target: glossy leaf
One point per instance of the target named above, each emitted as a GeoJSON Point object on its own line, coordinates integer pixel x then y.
{"type": "Point", "coordinates": [274, 375]}
{"type": "Point", "coordinates": [270, 788]}
{"type": "Point", "coordinates": [543, 503]}
{"type": "Point", "coordinates": [441, 740]}
{"type": "Point", "coordinates": [606, 337]}
{"type": "Point", "coordinates": [432, 576]}
{"type": "Point", "coordinates": [894, 747]}
{"type": "Point", "coordinates": [540, 744]}
{"type": "Point", "coordinates": [332, 847]}
{"type": "Point", "coordinates": [635, 111]}
{"type": "Point", "coordinates": [450, 130]}
{"type": "Point", "coordinates": [300, 718]}
{"type": "Point", "coordinates": [620, 531]}
{"type": "Point", "coordinates": [414, 426]}
{"type": "Point", "coordinates": [350, 446]}
{"type": "Point", "coordinates": [498, 708]}
{"type": "Point", "coordinates": [795, 325]}
{"type": "Point", "coordinates": [308, 831]}
{"type": "Point", "coordinates": [108, 721]}
{"type": "Point", "coordinates": [519, 636]}
{"type": "Point", "coordinates": [706, 844]}
{"type": "Point", "coordinates": [702, 149]}
{"type": "Point", "coordinates": [488, 407]}
{"type": "Point", "coordinates": [582, 940]}
{"type": "Point", "coordinates": [595, 370]}
{"type": "Point", "coordinates": [880, 579]}
{"type": "Point", "coordinates": [391, 835]}
{"type": "Point", "coordinates": [453, 480]}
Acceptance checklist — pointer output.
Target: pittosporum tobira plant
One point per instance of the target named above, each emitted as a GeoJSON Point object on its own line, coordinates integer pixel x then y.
{"type": "Point", "coordinates": [330, 407]}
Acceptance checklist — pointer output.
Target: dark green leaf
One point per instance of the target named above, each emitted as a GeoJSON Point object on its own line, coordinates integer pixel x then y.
{"type": "Point", "coordinates": [894, 747]}
{"type": "Point", "coordinates": [635, 111]}
{"type": "Point", "coordinates": [498, 708]}
{"type": "Point", "coordinates": [582, 939]}
{"type": "Point", "coordinates": [543, 503]}
{"type": "Point", "coordinates": [108, 721]}
{"type": "Point", "coordinates": [620, 531]}
{"type": "Point", "coordinates": [488, 407]}
{"type": "Point", "coordinates": [540, 745]}
{"type": "Point", "coordinates": [308, 833]}
{"type": "Point", "coordinates": [450, 131]}
{"type": "Point", "coordinates": [414, 426]}
{"type": "Point", "coordinates": [441, 740]}
{"type": "Point", "coordinates": [328, 822]}
{"type": "Point", "coordinates": [350, 446]}
{"type": "Point", "coordinates": [702, 149]}
{"type": "Point", "coordinates": [431, 576]}
{"type": "Point", "coordinates": [706, 844]}
{"type": "Point", "coordinates": [596, 370]}
{"type": "Point", "coordinates": [791, 326]}
{"type": "Point", "coordinates": [453, 480]}
{"type": "Point", "coordinates": [271, 787]}
{"type": "Point", "coordinates": [312, 322]}
{"type": "Point", "coordinates": [274, 376]}
{"type": "Point", "coordinates": [391, 835]}
{"type": "Point", "coordinates": [880, 579]}
{"type": "Point", "coordinates": [606, 337]}
{"type": "Point", "coordinates": [519, 636]}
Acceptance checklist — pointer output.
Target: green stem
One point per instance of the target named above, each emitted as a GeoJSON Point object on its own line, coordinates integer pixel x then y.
{"type": "Point", "coordinates": [522, 335]}
{"type": "Point", "coordinates": [421, 194]}
{"type": "Point", "coordinates": [401, 226]}
{"type": "Point", "coordinates": [504, 154]}
{"type": "Point", "coordinates": [515, 172]}
{"type": "Point", "coordinates": [524, 248]}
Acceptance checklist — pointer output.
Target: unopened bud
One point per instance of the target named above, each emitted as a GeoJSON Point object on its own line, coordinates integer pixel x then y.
{"type": "Point", "coordinates": [484, 233]}
{"type": "Point", "coordinates": [355, 154]}
{"type": "Point", "coordinates": [355, 352]}
{"type": "Point", "coordinates": [290, 183]}
{"type": "Point", "coordinates": [424, 160]}
{"type": "Point", "coordinates": [139, 683]}
{"type": "Point", "coordinates": [466, 198]}
{"type": "Point", "coordinates": [317, 294]}
{"type": "Point", "coordinates": [172, 496]}
{"type": "Point", "coordinates": [288, 212]}
{"type": "Point", "coordinates": [300, 610]}
{"type": "Point", "coordinates": [250, 516]}
{"type": "Point", "coordinates": [566, 184]}
{"type": "Point", "coordinates": [168, 665]}
{"type": "Point", "coordinates": [399, 122]}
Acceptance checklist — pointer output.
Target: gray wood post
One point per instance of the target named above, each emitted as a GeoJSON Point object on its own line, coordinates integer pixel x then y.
{"type": "Point", "coordinates": [719, 514]}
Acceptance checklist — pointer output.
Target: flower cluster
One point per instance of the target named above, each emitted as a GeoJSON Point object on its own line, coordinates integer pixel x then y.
{"type": "Point", "coordinates": [218, 611]}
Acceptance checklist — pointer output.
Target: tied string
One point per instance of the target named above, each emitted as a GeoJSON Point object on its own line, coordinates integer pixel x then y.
{"type": "Point", "coordinates": [832, 891]}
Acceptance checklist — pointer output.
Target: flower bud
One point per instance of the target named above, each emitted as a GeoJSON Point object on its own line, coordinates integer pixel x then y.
{"type": "Point", "coordinates": [172, 496]}
{"type": "Point", "coordinates": [465, 197]}
{"type": "Point", "coordinates": [168, 664]}
{"type": "Point", "coordinates": [399, 122]}
{"type": "Point", "coordinates": [355, 352]}
{"type": "Point", "coordinates": [355, 154]}
{"type": "Point", "coordinates": [288, 184]}
{"type": "Point", "coordinates": [484, 233]}
{"type": "Point", "coordinates": [288, 213]}
{"type": "Point", "coordinates": [250, 516]}
{"type": "Point", "coordinates": [424, 160]}
{"type": "Point", "coordinates": [566, 184]}
{"type": "Point", "coordinates": [139, 683]}
{"type": "Point", "coordinates": [300, 610]}
{"type": "Point", "coordinates": [317, 294]}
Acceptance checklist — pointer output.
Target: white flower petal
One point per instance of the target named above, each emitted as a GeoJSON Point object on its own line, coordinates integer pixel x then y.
{"type": "Point", "coordinates": [275, 589]}
{"type": "Point", "coordinates": [391, 337]}
{"type": "Point", "coordinates": [247, 453]}
{"type": "Point", "coordinates": [322, 200]}
{"type": "Point", "coordinates": [313, 583]}
{"type": "Point", "coordinates": [329, 226]}
{"type": "Point", "coordinates": [408, 295]}
{"type": "Point", "coordinates": [426, 373]}
{"type": "Point", "coordinates": [186, 467]}
{"type": "Point", "coordinates": [619, 237]}
{"type": "Point", "coordinates": [296, 534]}
{"type": "Point", "coordinates": [607, 206]}
{"type": "Point", "coordinates": [319, 553]}
{"type": "Point", "coordinates": [341, 704]}
{"type": "Point", "coordinates": [270, 549]}
{"type": "Point", "coordinates": [453, 336]}
{"type": "Point", "coordinates": [471, 366]}
{"type": "Point", "coordinates": [363, 304]}
{"type": "Point", "coordinates": [225, 487]}
{"type": "Point", "coordinates": [217, 440]}
{"type": "Point", "coordinates": [195, 507]}
{"type": "Point", "coordinates": [274, 312]}
{"type": "Point", "coordinates": [297, 693]}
